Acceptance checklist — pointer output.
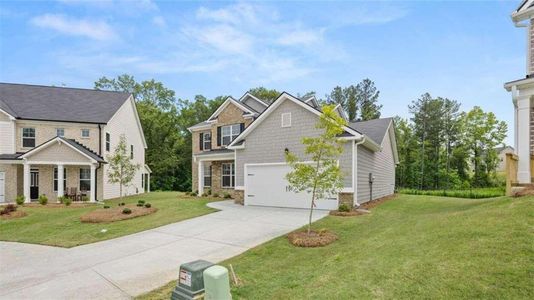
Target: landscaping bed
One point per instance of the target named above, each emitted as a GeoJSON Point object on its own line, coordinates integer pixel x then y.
{"type": "Point", "coordinates": [318, 238]}
{"type": "Point", "coordinates": [107, 215]}
{"type": "Point", "coordinates": [476, 193]}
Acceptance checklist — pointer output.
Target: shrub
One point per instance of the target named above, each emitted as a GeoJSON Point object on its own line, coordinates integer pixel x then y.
{"type": "Point", "coordinates": [66, 200]}
{"type": "Point", "coordinates": [106, 206]}
{"type": "Point", "coordinates": [209, 191]}
{"type": "Point", "coordinates": [344, 208]}
{"type": "Point", "coordinates": [126, 211]}
{"type": "Point", "coordinates": [216, 195]}
{"type": "Point", "coordinates": [140, 204]}
{"type": "Point", "coordinates": [122, 204]}
{"type": "Point", "coordinates": [141, 201]}
{"type": "Point", "coordinates": [148, 205]}
{"type": "Point", "coordinates": [227, 196]}
{"type": "Point", "coordinates": [187, 193]}
{"type": "Point", "coordinates": [193, 194]}
{"type": "Point", "coordinates": [20, 199]}
{"type": "Point", "coordinates": [8, 209]}
{"type": "Point", "coordinates": [205, 195]}
{"type": "Point", "coordinates": [85, 198]}
{"type": "Point", "coordinates": [43, 200]}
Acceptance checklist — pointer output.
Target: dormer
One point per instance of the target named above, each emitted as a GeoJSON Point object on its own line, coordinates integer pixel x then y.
{"type": "Point", "coordinates": [311, 101]}
{"type": "Point", "coordinates": [253, 102]}
{"type": "Point", "coordinates": [523, 17]}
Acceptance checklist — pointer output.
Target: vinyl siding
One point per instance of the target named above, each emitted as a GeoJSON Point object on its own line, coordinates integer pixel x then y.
{"type": "Point", "coordinates": [267, 142]}
{"type": "Point", "coordinates": [255, 104]}
{"type": "Point", "coordinates": [58, 153]}
{"type": "Point", "coordinates": [7, 134]}
{"type": "Point", "coordinates": [382, 165]}
{"type": "Point", "coordinates": [123, 122]}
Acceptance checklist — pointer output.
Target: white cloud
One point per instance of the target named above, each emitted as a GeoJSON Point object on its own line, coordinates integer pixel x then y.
{"type": "Point", "coordinates": [98, 30]}
{"type": "Point", "coordinates": [159, 21]}
{"type": "Point", "coordinates": [234, 14]}
{"type": "Point", "coordinates": [301, 37]}
{"type": "Point", "coordinates": [223, 38]}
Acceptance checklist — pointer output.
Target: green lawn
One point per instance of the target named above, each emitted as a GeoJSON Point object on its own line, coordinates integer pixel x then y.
{"type": "Point", "coordinates": [410, 247]}
{"type": "Point", "coordinates": [475, 193]}
{"type": "Point", "coordinates": [62, 227]}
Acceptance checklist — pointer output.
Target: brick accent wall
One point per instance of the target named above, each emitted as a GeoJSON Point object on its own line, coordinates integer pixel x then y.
{"type": "Point", "coordinates": [10, 192]}
{"type": "Point", "coordinates": [531, 48]}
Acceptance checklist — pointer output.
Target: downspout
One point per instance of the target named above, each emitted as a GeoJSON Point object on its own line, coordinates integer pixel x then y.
{"type": "Point", "coordinates": [355, 180]}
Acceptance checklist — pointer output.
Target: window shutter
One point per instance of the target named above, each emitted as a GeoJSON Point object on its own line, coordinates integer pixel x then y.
{"type": "Point", "coordinates": [201, 141]}
{"type": "Point", "coordinates": [242, 127]}
{"type": "Point", "coordinates": [219, 136]}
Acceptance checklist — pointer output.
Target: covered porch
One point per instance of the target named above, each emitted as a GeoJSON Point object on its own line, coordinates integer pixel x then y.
{"type": "Point", "coordinates": [215, 172]}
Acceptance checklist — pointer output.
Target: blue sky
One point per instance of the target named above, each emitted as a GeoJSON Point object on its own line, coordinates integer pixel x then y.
{"type": "Point", "coordinates": [455, 49]}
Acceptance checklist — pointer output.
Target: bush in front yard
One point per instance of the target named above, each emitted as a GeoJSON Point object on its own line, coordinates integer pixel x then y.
{"type": "Point", "coordinates": [227, 196]}
{"type": "Point", "coordinates": [148, 205]}
{"type": "Point", "coordinates": [209, 191]}
{"type": "Point", "coordinates": [20, 199]}
{"type": "Point", "coordinates": [343, 208]}
{"type": "Point", "coordinates": [141, 202]}
{"type": "Point", "coordinates": [43, 200]}
{"type": "Point", "coordinates": [193, 194]}
{"type": "Point", "coordinates": [188, 193]}
{"type": "Point", "coordinates": [205, 195]}
{"type": "Point", "coordinates": [126, 211]}
{"type": "Point", "coordinates": [216, 195]}
{"type": "Point", "coordinates": [106, 206]}
{"type": "Point", "coordinates": [65, 200]}
{"type": "Point", "coordinates": [85, 198]}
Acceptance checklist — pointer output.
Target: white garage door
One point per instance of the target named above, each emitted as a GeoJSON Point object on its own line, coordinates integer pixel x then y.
{"type": "Point", "coordinates": [2, 186]}
{"type": "Point", "coordinates": [265, 185]}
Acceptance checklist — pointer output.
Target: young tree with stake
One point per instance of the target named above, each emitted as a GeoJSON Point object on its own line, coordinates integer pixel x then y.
{"type": "Point", "coordinates": [121, 168]}
{"type": "Point", "coordinates": [323, 177]}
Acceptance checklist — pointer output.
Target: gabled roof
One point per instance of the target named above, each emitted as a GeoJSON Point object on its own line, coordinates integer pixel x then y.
{"type": "Point", "coordinates": [311, 101]}
{"type": "Point", "coordinates": [69, 142]}
{"type": "Point", "coordinates": [249, 97]}
{"type": "Point", "coordinates": [229, 100]}
{"type": "Point", "coordinates": [374, 129]}
{"type": "Point", "coordinates": [47, 103]}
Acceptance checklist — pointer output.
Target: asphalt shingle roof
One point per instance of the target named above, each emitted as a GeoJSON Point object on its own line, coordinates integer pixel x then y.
{"type": "Point", "coordinates": [374, 129]}
{"type": "Point", "coordinates": [34, 102]}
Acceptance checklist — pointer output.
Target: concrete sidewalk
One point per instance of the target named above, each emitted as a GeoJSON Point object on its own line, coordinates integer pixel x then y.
{"type": "Point", "coordinates": [131, 265]}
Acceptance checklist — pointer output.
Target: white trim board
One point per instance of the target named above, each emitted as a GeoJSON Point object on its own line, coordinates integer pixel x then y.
{"type": "Point", "coordinates": [225, 104]}
{"type": "Point", "coordinates": [50, 142]}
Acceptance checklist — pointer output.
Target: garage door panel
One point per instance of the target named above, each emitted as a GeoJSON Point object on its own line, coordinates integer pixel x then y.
{"type": "Point", "coordinates": [266, 186]}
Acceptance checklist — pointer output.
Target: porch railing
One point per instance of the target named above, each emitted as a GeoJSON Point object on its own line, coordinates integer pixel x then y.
{"type": "Point", "coordinates": [512, 161]}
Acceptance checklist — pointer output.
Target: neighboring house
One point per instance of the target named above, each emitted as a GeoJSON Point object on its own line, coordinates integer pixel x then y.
{"type": "Point", "coordinates": [50, 133]}
{"type": "Point", "coordinates": [501, 153]}
{"type": "Point", "coordinates": [241, 148]}
{"type": "Point", "coordinates": [522, 96]}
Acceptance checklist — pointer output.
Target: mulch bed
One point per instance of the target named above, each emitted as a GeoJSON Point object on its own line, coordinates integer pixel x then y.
{"type": "Point", "coordinates": [376, 202]}
{"type": "Point", "coordinates": [107, 215]}
{"type": "Point", "coordinates": [528, 191]}
{"type": "Point", "coordinates": [314, 239]}
{"type": "Point", "coordinates": [13, 215]}
{"type": "Point", "coordinates": [351, 213]}
{"type": "Point", "coordinates": [56, 205]}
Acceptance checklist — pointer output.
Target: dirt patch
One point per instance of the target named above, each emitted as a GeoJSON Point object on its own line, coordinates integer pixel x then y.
{"type": "Point", "coordinates": [56, 205]}
{"type": "Point", "coordinates": [13, 215]}
{"type": "Point", "coordinates": [314, 239]}
{"type": "Point", "coordinates": [351, 213]}
{"type": "Point", "coordinates": [528, 191]}
{"type": "Point", "coordinates": [107, 215]}
{"type": "Point", "coordinates": [377, 202]}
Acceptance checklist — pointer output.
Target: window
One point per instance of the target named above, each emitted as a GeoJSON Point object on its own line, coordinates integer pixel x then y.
{"type": "Point", "coordinates": [143, 180]}
{"type": "Point", "coordinates": [131, 151]}
{"type": "Point", "coordinates": [28, 137]}
{"type": "Point", "coordinates": [85, 133]}
{"type": "Point", "coordinates": [108, 141]}
{"type": "Point", "coordinates": [228, 175]}
{"type": "Point", "coordinates": [60, 131]}
{"type": "Point", "coordinates": [206, 142]}
{"type": "Point", "coordinates": [207, 175]}
{"type": "Point", "coordinates": [64, 180]}
{"type": "Point", "coordinates": [286, 120]}
{"type": "Point", "coordinates": [229, 133]}
{"type": "Point", "coordinates": [85, 179]}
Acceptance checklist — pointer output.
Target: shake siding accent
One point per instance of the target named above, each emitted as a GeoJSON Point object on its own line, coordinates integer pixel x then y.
{"type": "Point", "coordinates": [266, 144]}
{"type": "Point", "coordinates": [382, 165]}
{"type": "Point", "coordinates": [58, 153]}
{"type": "Point", "coordinates": [7, 135]}
{"type": "Point", "coordinates": [123, 122]}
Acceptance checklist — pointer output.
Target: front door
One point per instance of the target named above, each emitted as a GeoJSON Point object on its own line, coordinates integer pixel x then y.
{"type": "Point", "coordinates": [34, 184]}
{"type": "Point", "coordinates": [2, 186]}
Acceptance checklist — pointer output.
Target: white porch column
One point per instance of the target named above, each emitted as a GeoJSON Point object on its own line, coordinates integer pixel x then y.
{"type": "Point", "coordinates": [523, 138]}
{"type": "Point", "coordinates": [200, 177]}
{"type": "Point", "coordinates": [60, 175]}
{"type": "Point", "coordinates": [92, 196]}
{"type": "Point", "coordinates": [26, 182]}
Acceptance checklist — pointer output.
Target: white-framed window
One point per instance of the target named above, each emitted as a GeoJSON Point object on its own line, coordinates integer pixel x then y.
{"type": "Point", "coordinates": [85, 179]}
{"type": "Point", "coordinates": [60, 131]}
{"type": "Point", "coordinates": [85, 133]}
{"type": "Point", "coordinates": [108, 141]}
{"type": "Point", "coordinates": [286, 119]}
{"type": "Point", "coordinates": [28, 137]}
{"type": "Point", "coordinates": [229, 133]}
{"type": "Point", "coordinates": [131, 151]}
{"type": "Point", "coordinates": [228, 175]}
{"type": "Point", "coordinates": [207, 175]}
{"type": "Point", "coordinates": [206, 141]}
{"type": "Point", "coordinates": [64, 180]}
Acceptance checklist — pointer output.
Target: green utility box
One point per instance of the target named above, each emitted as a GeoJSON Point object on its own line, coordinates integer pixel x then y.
{"type": "Point", "coordinates": [191, 283]}
{"type": "Point", "coordinates": [217, 283]}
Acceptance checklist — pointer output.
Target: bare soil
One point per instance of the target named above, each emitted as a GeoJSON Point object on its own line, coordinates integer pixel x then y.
{"type": "Point", "coordinates": [107, 215]}
{"type": "Point", "coordinates": [351, 213]}
{"type": "Point", "coordinates": [314, 239]}
{"type": "Point", "coordinates": [13, 215]}
{"type": "Point", "coordinates": [376, 202]}
{"type": "Point", "coordinates": [528, 191]}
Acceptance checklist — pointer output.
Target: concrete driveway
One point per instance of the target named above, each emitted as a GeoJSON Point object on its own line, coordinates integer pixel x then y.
{"type": "Point", "coordinates": [131, 265]}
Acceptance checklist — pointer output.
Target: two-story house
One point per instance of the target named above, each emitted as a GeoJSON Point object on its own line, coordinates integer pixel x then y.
{"type": "Point", "coordinates": [240, 149]}
{"type": "Point", "coordinates": [522, 97]}
{"type": "Point", "coordinates": [55, 140]}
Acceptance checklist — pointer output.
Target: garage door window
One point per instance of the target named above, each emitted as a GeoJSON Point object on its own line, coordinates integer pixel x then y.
{"type": "Point", "coordinates": [228, 175]}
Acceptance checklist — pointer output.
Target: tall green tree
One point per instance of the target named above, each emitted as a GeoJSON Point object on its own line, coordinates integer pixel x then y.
{"type": "Point", "coordinates": [121, 167]}
{"type": "Point", "coordinates": [367, 97]}
{"type": "Point", "coordinates": [323, 177]}
{"type": "Point", "coordinates": [267, 95]}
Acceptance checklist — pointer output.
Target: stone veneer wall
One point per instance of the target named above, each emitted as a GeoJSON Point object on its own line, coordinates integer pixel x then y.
{"type": "Point", "coordinates": [10, 186]}
{"type": "Point", "coordinates": [216, 180]}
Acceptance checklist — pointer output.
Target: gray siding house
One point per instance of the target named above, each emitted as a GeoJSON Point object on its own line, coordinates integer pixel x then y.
{"type": "Point", "coordinates": [254, 161]}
